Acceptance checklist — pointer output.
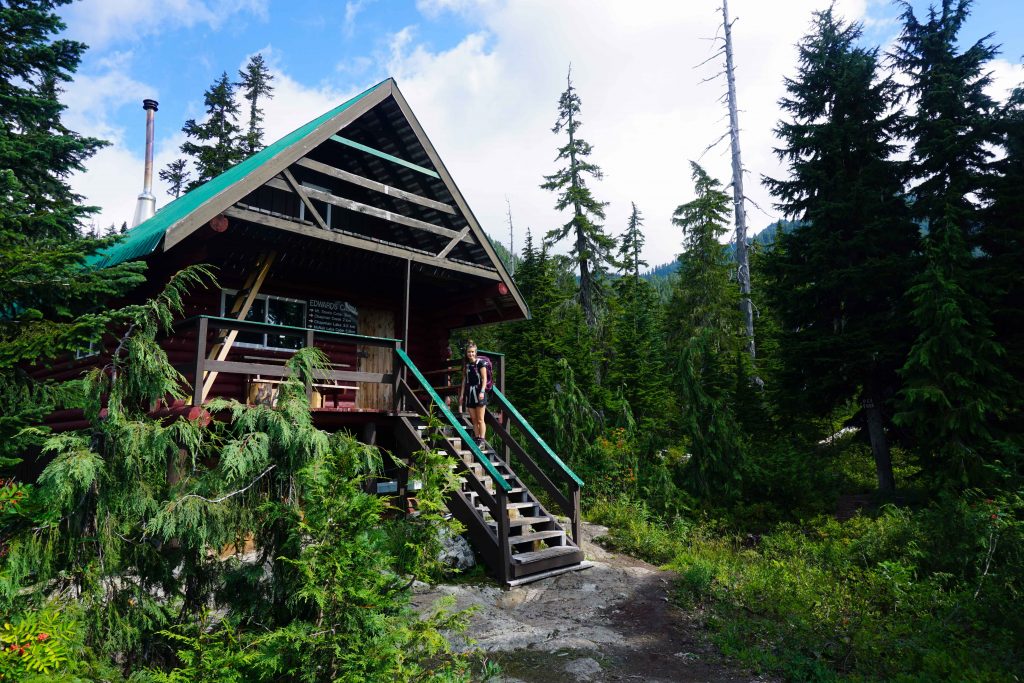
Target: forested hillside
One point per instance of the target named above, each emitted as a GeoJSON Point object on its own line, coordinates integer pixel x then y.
{"type": "Point", "coordinates": [847, 504]}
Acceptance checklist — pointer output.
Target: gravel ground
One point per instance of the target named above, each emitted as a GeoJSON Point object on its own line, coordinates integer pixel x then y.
{"type": "Point", "coordinates": [612, 622]}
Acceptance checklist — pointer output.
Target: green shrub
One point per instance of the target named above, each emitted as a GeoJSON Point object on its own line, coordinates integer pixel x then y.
{"type": "Point", "coordinates": [909, 595]}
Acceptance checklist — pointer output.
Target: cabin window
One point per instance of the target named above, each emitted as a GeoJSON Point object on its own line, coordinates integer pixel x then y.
{"type": "Point", "coordinates": [275, 310]}
{"type": "Point", "coordinates": [93, 349]}
{"type": "Point", "coordinates": [323, 208]}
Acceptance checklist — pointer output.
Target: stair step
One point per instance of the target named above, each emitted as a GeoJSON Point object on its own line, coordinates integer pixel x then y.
{"type": "Point", "coordinates": [521, 505]}
{"type": "Point", "coordinates": [535, 536]}
{"type": "Point", "coordinates": [523, 521]}
{"type": "Point", "coordinates": [537, 555]}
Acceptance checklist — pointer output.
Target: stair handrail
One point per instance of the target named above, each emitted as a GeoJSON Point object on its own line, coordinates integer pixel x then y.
{"type": "Point", "coordinates": [499, 481]}
{"type": "Point", "coordinates": [521, 422]}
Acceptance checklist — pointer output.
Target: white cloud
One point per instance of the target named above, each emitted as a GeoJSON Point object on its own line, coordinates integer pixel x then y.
{"type": "Point", "coordinates": [352, 10]}
{"type": "Point", "coordinates": [488, 103]}
{"type": "Point", "coordinates": [1005, 77]}
{"type": "Point", "coordinates": [113, 177]}
{"type": "Point", "coordinates": [100, 22]}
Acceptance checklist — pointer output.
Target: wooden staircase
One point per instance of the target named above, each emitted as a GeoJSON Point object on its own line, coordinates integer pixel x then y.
{"type": "Point", "coordinates": [518, 538]}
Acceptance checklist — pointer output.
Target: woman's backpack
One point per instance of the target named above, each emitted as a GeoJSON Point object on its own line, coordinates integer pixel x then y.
{"type": "Point", "coordinates": [484, 361]}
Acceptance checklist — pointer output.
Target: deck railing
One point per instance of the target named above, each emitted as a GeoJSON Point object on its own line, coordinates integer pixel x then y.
{"type": "Point", "coordinates": [569, 498]}
{"type": "Point", "coordinates": [306, 337]}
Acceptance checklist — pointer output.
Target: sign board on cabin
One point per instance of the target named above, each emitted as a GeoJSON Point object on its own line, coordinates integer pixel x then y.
{"type": "Point", "coordinates": [332, 316]}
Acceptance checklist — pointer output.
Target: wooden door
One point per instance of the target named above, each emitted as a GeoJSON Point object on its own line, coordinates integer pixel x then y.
{"type": "Point", "coordinates": [375, 323]}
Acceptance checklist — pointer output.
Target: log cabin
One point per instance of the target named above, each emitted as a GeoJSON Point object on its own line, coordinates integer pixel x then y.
{"type": "Point", "coordinates": [349, 234]}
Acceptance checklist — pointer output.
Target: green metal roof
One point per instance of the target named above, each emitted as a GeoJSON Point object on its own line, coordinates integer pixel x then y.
{"type": "Point", "coordinates": [141, 240]}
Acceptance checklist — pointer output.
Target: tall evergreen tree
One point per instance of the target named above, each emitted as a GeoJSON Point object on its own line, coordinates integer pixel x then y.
{"type": "Point", "coordinates": [255, 84]}
{"type": "Point", "coordinates": [591, 247]}
{"type": "Point", "coordinates": [37, 152]}
{"type": "Point", "coordinates": [177, 175]}
{"type": "Point", "coordinates": [704, 329]}
{"type": "Point", "coordinates": [704, 297]}
{"type": "Point", "coordinates": [840, 275]}
{"type": "Point", "coordinates": [214, 144]}
{"type": "Point", "coordinates": [632, 244]}
{"type": "Point", "coordinates": [956, 387]}
{"type": "Point", "coordinates": [637, 359]}
{"type": "Point", "coordinates": [1002, 247]}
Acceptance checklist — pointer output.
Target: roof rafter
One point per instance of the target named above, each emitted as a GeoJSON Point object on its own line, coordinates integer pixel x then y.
{"type": "Point", "coordinates": [359, 180]}
{"type": "Point", "coordinates": [384, 155]}
{"type": "Point", "coordinates": [368, 210]}
{"type": "Point", "coordinates": [358, 242]}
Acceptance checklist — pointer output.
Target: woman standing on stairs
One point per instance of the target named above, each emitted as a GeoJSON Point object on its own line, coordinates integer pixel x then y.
{"type": "Point", "coordinates": [473, 392]}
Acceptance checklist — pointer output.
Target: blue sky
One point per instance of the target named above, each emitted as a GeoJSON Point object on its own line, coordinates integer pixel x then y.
{"type": "Point", "coordinates": [483, 77]}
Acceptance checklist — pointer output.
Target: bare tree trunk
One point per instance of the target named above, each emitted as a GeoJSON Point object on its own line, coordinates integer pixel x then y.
{"type": "Point", "coordinates": [879, 445]}
{"type": "Point", "coordinates": [742, 260]}
{"type": "Point", "coordinates": [511, 242]}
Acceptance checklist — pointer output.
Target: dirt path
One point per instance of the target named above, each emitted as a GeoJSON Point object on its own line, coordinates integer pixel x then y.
{"type": "Point", "coordinates": [612, 622]}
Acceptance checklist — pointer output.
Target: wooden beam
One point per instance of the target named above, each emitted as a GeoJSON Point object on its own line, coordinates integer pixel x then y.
{"type": "Point", "coordinates": [359, 180]}
{"type": "Point", "coordinates": [285, 158]}
{"type": "Point", "coordinates": [297, 189]}
{"type": "Point", "coordinates": [240, 309]}
{"type": "Point", "coordinates": [384, 155]}
{"type": "Point", "coordinates": [349, 240]}
{"type": "Point", "coordinates": [455, 240]}
{"type": "Point", "coordinates": [368, 210]}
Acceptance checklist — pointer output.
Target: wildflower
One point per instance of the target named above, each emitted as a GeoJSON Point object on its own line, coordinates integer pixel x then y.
{"type": "Point", "coordinates": [43, 636]}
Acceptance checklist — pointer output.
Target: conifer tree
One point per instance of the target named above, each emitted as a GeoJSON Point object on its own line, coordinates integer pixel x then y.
{"type": "Point", "coordinates": [1001, 242]}
{"type": "Point", "coordinates": [637, 363]}
{"type": "Point", "coordinates": [177, 176]}
{"type": "Point", "coordinates": [632, 244]}
{"type": "Point", "coordinates": [590, 247]}
{"type": "Point", "coordinates": [956, 387]}
{"type": "Point", "coordinates": [703, 296]}
{"type": "Point", "coordinates": [37, 152]}
{"type": "Point", "coordinates": [840, 276]}
{"type": "Point", "coordinates": [704, 329]}
{"type": "Point", "coordinates": [255, 84]}
{"type": "Point", "coordinates": [214, 143]}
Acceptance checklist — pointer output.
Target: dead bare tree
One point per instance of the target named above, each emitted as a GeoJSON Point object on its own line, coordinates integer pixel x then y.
{"type": "Point", "coordinates": [739, 200]}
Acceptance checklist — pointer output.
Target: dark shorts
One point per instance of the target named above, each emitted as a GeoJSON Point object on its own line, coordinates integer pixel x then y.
{"type": "Point", "coordinates": [473, 398]}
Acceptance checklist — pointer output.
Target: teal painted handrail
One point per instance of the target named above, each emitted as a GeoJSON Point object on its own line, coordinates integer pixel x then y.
{"type": "Point", "coordinates": [507, 405]}
{"type": "Point", "coordinates": [499, 480]}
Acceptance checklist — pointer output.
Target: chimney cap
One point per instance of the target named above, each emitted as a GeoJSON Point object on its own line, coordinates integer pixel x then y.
{"type": "Point", "coordinates": [150, 104]}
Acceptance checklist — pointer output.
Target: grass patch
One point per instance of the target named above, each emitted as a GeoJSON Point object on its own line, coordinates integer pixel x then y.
{"type": "Point", "coordinates": [921, 595]}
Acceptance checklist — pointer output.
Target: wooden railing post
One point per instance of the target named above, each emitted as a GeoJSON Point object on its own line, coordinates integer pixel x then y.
{"type": "Point", "coordinates": [576, 518]}
{"type": "Point", "coordinates": [504, 550]}
{"type": "Point", "coordinates": [197, 385]}
{"type": "Point", "coordinates": [310, 339]}
{"type": "Point", "coordinates": [398, 371]}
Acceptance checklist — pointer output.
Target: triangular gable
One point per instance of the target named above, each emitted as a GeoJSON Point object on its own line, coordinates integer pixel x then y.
{"type": "Point", "coordinates": [436, 228]}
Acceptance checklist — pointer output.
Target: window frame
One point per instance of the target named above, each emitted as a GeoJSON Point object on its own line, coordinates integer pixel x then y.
{"type": "Point", "coordinates": [225, 293]}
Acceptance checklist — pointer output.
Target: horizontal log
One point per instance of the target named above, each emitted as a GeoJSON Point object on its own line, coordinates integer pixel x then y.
{"type": "Point", "coordinates": [373, 185]}
{"type": "Point", "coordinates": [367, 210]}
{"type": "Point", "coordinates": [356, 242]}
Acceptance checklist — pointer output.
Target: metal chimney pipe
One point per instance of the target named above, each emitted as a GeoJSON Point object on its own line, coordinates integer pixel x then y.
{"type": "Point", "coordinates": [145, 207]}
